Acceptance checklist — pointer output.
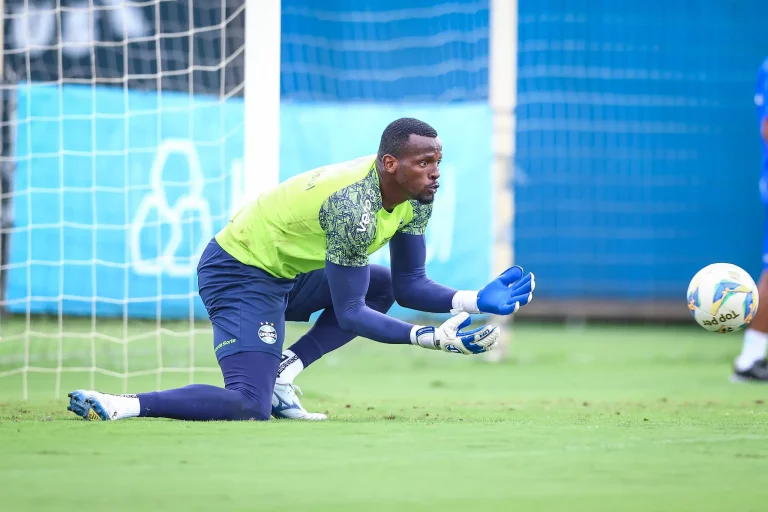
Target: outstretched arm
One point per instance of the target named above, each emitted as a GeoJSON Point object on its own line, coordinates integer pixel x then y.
{"type": "Point", "coordinates": [346, 267]}
{"type": "Point", "coordinates": [413, 289]}
{"type": "Point", "coordinates": [348, 286]}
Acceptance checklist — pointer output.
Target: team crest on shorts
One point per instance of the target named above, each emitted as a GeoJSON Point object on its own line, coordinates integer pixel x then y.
{"type": "Point", "coordinates": [267, 333]}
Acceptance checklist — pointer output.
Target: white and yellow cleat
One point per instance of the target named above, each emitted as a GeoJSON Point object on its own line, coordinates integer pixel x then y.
{"type": "Point", "coordinates": [286, 405]}
{"type": "Point", "coordinates": [94, 406]}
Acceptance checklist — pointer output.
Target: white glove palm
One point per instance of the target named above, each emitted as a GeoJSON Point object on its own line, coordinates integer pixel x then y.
{"type": "Point", "coordinates": [450, 338]}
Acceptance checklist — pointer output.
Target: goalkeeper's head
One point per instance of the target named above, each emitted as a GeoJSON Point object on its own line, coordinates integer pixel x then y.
{"type": "Point", "coordinates": [409, 160]}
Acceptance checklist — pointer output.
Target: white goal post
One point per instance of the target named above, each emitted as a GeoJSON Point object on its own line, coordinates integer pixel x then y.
{"type": "Point", "coordinates": [502, 98]}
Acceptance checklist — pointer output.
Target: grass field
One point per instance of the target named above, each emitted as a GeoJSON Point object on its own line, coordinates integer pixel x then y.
{"type": "Point", "coordinates": [590, 418]}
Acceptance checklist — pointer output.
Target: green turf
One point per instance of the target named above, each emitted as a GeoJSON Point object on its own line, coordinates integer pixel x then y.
{"type": "Point", "coordinates": [596, 418]}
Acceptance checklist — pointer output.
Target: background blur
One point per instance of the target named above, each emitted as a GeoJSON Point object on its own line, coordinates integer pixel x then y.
{"type": "Point", "coordinates": [636, 145]}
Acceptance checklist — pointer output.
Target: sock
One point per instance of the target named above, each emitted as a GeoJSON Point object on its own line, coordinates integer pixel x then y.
{"type": "Point", "coordinates": [127, 406]}
{"type": "Point", "coordinates": [290, 366]}
{"type": "Point", "coordinates": [754, 349]}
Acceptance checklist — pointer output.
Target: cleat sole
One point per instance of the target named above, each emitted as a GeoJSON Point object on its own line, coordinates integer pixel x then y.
{"type": "Point", "coordinates": [79, 405]}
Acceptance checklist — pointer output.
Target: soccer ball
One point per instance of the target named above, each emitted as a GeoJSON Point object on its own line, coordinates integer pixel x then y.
{"type": "Point", "coordinates": [722, 298]}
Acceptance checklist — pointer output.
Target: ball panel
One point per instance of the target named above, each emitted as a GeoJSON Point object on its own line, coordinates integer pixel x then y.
{"type": "Point", "coordinates": [693, 301]}
{"type": "Point", "coordinates": [750, 307]}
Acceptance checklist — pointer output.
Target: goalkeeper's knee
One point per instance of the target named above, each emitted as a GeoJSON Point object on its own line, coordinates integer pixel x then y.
{"type": "Point", "coordinates": [252, 408]}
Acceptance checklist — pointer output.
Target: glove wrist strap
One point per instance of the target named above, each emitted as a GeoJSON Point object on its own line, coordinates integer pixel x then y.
{"type": "Point", "coordinates": [466, 301]}
{"type": "Point", "coordinates": [424, 336]}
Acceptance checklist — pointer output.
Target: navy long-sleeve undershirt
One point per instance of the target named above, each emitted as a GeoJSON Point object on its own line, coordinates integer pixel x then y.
{"type": "Point", "coordinates": [411, 286]}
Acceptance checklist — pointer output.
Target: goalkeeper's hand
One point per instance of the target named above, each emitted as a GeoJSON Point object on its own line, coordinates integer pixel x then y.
{"type": "Point", "coordinates": [450, 338]}
{"type": "Point", "coordinates": [507, 293]}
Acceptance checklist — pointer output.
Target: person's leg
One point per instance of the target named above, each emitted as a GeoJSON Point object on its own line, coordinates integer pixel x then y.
{"type": "Point", "coordinates": [312, 294]}
{"type": "Point", "coordinates": [246, 307]}
{"type": "Point", "coordinates": [247, 395]}
{"type": "Point", "coordinates": [751, 364]}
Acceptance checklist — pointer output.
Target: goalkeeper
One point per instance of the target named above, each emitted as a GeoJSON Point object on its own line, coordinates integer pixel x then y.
{"type": "Point", "coordinates": [303, 247]}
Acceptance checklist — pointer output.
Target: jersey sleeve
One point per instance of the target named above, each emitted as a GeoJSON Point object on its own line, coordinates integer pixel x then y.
{"type": "Point", "coordinates": [349, 228]}
{"type": "Point", "coordinates": [421, 215]}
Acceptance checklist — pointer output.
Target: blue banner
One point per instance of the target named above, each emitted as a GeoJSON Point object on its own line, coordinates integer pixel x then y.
{"type": "Point", "coordinates": [117, 193]}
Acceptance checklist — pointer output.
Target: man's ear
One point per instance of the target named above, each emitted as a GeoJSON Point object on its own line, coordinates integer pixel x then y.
{"type": "Point", "coordinates": [389, 163]}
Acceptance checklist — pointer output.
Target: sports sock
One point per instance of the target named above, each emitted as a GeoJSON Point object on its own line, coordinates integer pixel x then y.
{"type": "Point", "coordinates": [290, 366]}
{"type": "Point", "coordinates": [754, 349]}
{"type": "Point", "coordinates": [126, 406]}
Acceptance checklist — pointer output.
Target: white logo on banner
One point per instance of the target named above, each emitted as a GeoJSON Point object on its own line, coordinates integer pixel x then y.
{"type": "Point", "coordinates": [156, 201]}
{"type": "Point", "coordinates": [33, 28]}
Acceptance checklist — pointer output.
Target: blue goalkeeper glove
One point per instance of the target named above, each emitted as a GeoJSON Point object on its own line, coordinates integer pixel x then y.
{"type": "Point", "coordinates": [449, 337]}
{"type": "Point", "coordinates": [507, 293]}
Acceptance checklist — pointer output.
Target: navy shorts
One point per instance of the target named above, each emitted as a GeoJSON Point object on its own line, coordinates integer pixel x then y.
{"type": "Point", "coordinates": [764, 197]}
{"type": "Point", "coordinates": [765, 242]}
{"type": "Point", "coordinates": [248, 307]}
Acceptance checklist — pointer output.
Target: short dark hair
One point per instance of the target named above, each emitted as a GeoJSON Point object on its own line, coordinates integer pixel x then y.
{"type": "Point", "coordinates": [396, 135]}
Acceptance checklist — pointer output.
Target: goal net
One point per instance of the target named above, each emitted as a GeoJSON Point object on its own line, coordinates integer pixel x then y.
{"type": "Point", "coordinates": [124, 153]}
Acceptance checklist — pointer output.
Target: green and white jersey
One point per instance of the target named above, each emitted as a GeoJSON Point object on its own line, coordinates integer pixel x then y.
{"type": "Point", "coordinates": [333, 212]}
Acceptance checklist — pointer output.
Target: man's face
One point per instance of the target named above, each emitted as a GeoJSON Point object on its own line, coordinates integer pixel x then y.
{"type": "Point", "coordinates": [418, 169]}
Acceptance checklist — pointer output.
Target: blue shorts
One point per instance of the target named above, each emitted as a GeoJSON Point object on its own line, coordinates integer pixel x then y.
{"type": "Point", "coordinates": [765, 241]}
{"type": "Point", "coordinates": [248, 307]}
{"type": "Point", "coordinates": [764, 196]}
